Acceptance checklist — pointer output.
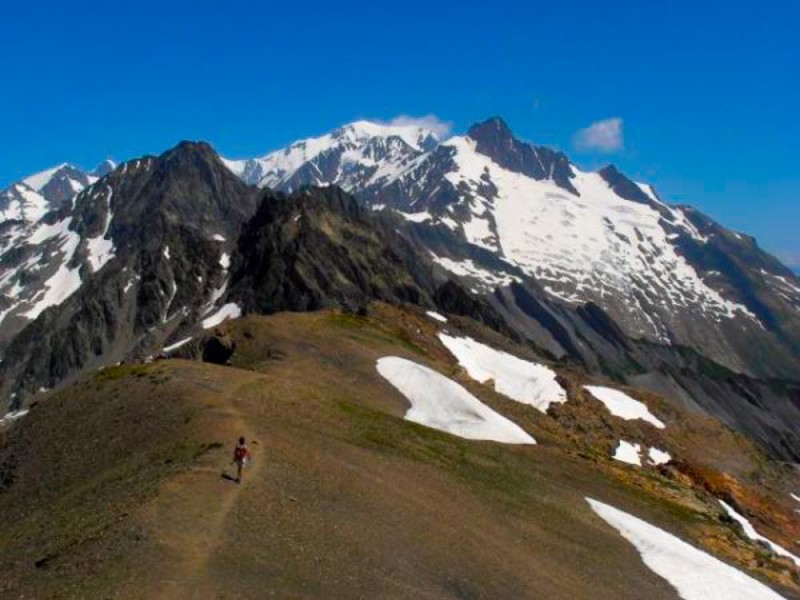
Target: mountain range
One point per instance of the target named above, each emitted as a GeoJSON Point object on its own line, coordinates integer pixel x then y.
{"type": "Point", "coordinates": [465, 368]}
{"type": "Point", "coordinates": [591, 268]}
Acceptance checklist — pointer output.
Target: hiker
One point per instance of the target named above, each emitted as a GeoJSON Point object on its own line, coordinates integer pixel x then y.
{"type": "Point", "coordinates": [240, 456]}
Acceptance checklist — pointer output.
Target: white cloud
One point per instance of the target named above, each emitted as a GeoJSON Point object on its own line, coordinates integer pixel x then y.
{"type": "Point", "coordinates": [603, 136]}
{"type": "Point", "coordinates": [441, 129]}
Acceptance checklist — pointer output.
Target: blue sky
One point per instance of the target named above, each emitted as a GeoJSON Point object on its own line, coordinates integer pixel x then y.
{"type": "Point", "coordinates": [707, 96]}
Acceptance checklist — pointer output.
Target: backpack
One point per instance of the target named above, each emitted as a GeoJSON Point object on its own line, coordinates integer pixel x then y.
{"type": "Point", "coordinates": [240, 454]}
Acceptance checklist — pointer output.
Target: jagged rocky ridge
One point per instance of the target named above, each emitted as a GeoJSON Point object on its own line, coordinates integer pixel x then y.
{"type": "Point", "coordinates": [186, 239]}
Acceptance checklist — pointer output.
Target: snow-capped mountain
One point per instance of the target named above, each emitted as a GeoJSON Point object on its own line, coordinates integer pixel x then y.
{"type": "Point", "coordinates": [356, 156]}
{"type": "Point", "coordinates": [27, 200]}
{"type": "Point", "coordinates": [664, 273]}
{"type": "Point", "coordinates": [40, 262]}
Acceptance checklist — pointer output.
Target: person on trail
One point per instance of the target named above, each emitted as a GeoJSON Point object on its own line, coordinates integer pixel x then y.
{"type": "Point", "coordinates": [240, 456]}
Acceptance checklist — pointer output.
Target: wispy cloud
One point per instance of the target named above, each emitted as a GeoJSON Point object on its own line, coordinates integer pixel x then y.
{"type": "Point", "coordinates": [602, 136]}
{"type": "Point", "coordinates": [441, 129]}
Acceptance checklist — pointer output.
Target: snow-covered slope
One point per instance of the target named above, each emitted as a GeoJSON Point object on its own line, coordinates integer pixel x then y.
{"type": "Point", "coordinates": [38, 243]}
{"type": "Point", "coordinates": [664, 273]}
{"type": "Point", "coordinates": [41, 261]}
{"type": "Point", "coordinates": [585, 246]}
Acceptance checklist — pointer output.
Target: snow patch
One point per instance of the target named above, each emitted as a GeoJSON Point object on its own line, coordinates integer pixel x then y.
{"type": "Point", "coordinates": [226, 311]}
{"type": "Point", "coordinates": [628, 453]}
{"type": "Point", "coordinates": [693, 573]}
{"type": "Point", "coordinates": [521, 380]}
{"type": "Point", "coordinates": [436, 316]}
{"type": "Point", "coordinates": [13, 415]}
{"type": "Point", "coordinates": [752, 534]}
{"type": "Point", "coordinates": [420, 217]}
{"type": "Point", "coordinates": [65, 281]}
{"type": "Point", "coordinates": [623, 406]}
{"type": "Point", "coordinates": [441, 403]}
{"type": "Point", "coordinates": [658, 457]}
{"type": "Point", "coordinates": [129, 284]}
{"type": "Point", "coordinates": [177, 345]}
{"type": "Point", "coordinates": [101, 250]}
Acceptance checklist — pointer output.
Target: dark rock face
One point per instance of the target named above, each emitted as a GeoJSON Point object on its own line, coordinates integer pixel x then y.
{"type": "Point", "coordinates": [320, 248]}
{"type": "Point", "coordinates": [622, 186]}
{"type": "Point", "coordinates": [454, 299]}
{"type": "Point", "coordinates": [494, 139]}
{"type": "Point", "coordinates": [218, 349]}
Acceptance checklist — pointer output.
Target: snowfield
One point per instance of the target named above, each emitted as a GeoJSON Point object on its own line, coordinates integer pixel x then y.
{"type": "Point", "coordinates": [623, 406]}
{"type": "Point", "coordinates": [441, 403]}
{"type": "Point", "coordinates": [751, 533]}
{"type": "Point", "coordinates": [579, 244]}
{"type": "Point", "coordinates": [520, 380]}
{"type": "Point", "coordinates": [693, 573]}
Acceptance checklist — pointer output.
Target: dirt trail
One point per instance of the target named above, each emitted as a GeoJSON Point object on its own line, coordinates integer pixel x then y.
{"type": "Point", "coordinates": [192, 508]}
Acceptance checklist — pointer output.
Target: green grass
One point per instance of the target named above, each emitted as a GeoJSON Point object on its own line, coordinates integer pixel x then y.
{"type": "Point", "coordinates": [489, 467]}
{"type": "Point", "coordinates": [363, 330]}
{"type": "Point", "coordinates": [121, 371]}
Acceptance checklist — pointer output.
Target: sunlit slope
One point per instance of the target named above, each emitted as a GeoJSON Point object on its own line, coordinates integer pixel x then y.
{"type": "Point", "coordinates": [113, 487]}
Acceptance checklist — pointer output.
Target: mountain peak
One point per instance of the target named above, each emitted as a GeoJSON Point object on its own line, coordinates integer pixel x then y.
{"type": "Point", "coordinates": [491, 131]}
{"type": "Point", "coordinates": [38, 181]}
{"type": "Point", "coordinates": [414, 133]}
{"type": "Point", "coordinates": [494, 138]}
{"type": "Point", "coordinates": [610, 171]}
{"type": "Point", "coordinates": [623, 186]}
{"type": "Point", "coordinates": [190, 151]}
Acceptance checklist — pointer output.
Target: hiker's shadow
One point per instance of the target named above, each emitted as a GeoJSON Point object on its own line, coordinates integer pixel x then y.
{"type": "Point", "coordinates": [227, 477]}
